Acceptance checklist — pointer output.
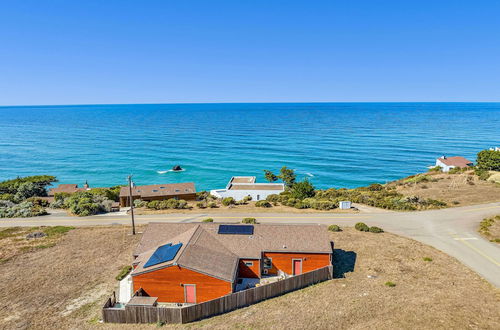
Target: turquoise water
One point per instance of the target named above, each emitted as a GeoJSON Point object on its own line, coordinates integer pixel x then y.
{"type": "Point", "coordinates": [333, 144]}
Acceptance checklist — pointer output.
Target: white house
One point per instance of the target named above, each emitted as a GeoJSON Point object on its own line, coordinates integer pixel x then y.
{"type": "Point", "coordinates": [447, 163]}
{"type": "Point", "coordinates": [241, 186]}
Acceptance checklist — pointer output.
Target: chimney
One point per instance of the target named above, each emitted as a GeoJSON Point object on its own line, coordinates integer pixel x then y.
{"type": "Point", "coordinates": [86, 185]}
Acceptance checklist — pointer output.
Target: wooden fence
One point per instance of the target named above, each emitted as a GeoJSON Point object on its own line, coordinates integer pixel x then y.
{"type": "Point", "coordinates": [153, 314]}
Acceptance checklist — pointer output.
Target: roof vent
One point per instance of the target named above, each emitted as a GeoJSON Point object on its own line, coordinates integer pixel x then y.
{"type": "Point", "coordinates": [284, 246]}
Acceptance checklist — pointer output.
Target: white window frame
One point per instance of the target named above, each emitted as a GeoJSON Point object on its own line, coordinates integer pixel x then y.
{"type": "Point", "coordinates": [249, 263]}
{"type": "Point", "coordinates": [264, 264]}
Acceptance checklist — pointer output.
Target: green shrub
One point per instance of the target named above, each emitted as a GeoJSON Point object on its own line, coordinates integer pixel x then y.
{"type": "Point", "coordinates": [273, 198]}
{"type": "Point", "coordinates": [140, 203]}
{"type": "Point", "coordinates": [323, 205]}
{"type": "Point", "coordinates": [418, 178]}
{"type": "Point", "coordinates": [201, 205]}
{"type": "Point", "coordinates": [207, 220]}
{"type": "Point", "coordinates": [61, 196]}
{"type": "Point", "coordinates": [38, 201]}
{"type": "Point", "coordinates": [455, 202]}
{"type": "Point", "coordinates": [228, 201]}
{"type": "Point", "coordinates": [302, 189]}
{"type": "Point", "coordinates": [375, 187]}
{"type": "Point", "coordinates": [263, 203]}
{"type": "Point", "coordinates": [457, 170]}
{"type": "Point", "coordinates": [249, 220]}
{"type": "Point", "coordinates": [361, 226]}
{"type": "Point", "coordinates": [390, 284]}
{"type": "Point", "coordinates": [376, 230]}
{"type": "Point", "coordinates": [123, 273]}
{"type": "Point", "coordinates": [482, 174]}
{"type": "Point", "coordinates": [22, 210]}
{"type": "Point", "coordinates": [427, 259]}
{"type": "Point", "coordinates": [436, 169]}
{"type": "Point", "coordinates": [247, 199]}
{"type": "Point", "coordinates": [212, 205]}
{"type": "Point", "coordinates": [40, 181]}
{"type": "Point", "coordinates": [202, 195]}
{"type": "Point", "coordinates": [334, 228]}
{"type": "Point", "coordinates": [488, 160]}
{"type": "Point", "coordinates": [7, 197]}
{"type": "Point", "coordinates": [84, 203]}
{"type": "Point", "coordinates": [155, 205]}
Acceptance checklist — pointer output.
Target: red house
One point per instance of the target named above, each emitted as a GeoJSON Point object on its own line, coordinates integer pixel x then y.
{"type": "Point", "coordinates": [196, 262]}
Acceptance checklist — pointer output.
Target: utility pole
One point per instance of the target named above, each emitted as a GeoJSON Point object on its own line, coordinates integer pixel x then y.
{"type": "Point", "coordinates": [131, 200]}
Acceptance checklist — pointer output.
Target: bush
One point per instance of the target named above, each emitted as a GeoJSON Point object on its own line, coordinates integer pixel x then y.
{"type": "Point", "coordinates": [323, 205]}
{"type": "Point", "coordinates": [140, 203]}
{"type": "Point", "coordinates": [202, 195]}
{"type": "Point", "coordinates": [361, 226]}
{"type": "Point", "coordinates": [228, 201]}
{"type": "Point", "coordinates": [375, 187]}
{"type": "Point", "coordinates": [22, 210]}
{"type": "Point", "coordinates": [38, 201]}
{"type": "Point", "coordinates": [390, 284]}
{"type": "Point", "coordinates": [123, 273]}
{"type": "Point", "coordinates": [84, 203]}
{"type": "Point", "coordinates": [41, 181]}
{"type": "Point", "coordinates": [482, 174]}
{"type": "Point", "coordinates": [436, 169]}
{"type": "Point", "coordinates": [61, 196]}
{"type": "Point", "coordinates": [155, 205]}
{"type": "Point", "coordinates": [376, 230]}
{"type": "Point", "coordinates": [201, 205]}
{"type": "Point", "coordinates": [334, 228]}
{"type": "Point", "coordinates": [29, 189]}
{"type": "Point", "coordinates": [207, 220]}
{"type": "Point", "coordinates": [7, 197]}
{"type": "Point", "coordinates": [263, 203]}
{"type": "Point", "coordinates": [113, 194]}
{"type": "Point", "coordinates": [247, 199]}
{"type": "Point", "coordinates": [302, 189]}
{"type": "Point", "coordinates": [249, 221]}
{"type": "Point", "coordinates": [273, 198]}
{"type": "Point", "coordinates": [488, 160]}
{"type": "Point", "coordinates": [457, 170]}
{"type": "Point", "coordinates": [212, 205]}
{"type": "Point", "coordinates": [427, 259]}
{"type": "Point", "coordinates": [418, 178]}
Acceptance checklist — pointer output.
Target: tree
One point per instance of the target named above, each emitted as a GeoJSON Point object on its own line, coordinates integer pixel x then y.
{"type": "Point", "coordinates": [270, 176]}
{"type": "Point", "coordinates": [287, 175]}
{"type": "Point", "coordinates": [11, 186]}
{"type": "Point", "coordinates": [29, 189]}
{"type": "Point", "coordinates": [488, 160]}
{"type": "Point", "coordinates": [303, 189]}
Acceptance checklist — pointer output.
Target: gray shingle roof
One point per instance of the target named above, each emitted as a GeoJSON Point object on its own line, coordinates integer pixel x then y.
{"type": "Point", "coordinates": [267, 237]}
{"type": "Point", "coordinates": [159, 190]}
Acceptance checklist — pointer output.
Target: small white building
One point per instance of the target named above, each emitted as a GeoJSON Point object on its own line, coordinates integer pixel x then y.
{"type": "Point", "coordinates": [241, 186]}
{"type": "Point", "coordinates": [344, 205]}
{"type": "Point", "coordinates": [447, 163]}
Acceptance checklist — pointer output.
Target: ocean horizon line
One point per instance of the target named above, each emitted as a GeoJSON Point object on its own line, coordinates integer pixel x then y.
{"type": "Point", "coordinates": [239, 103]}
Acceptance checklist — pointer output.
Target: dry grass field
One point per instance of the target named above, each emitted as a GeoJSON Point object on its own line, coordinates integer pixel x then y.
{"type": "Point", "coordinates": [490, 229]}
{"type": "Point", "coordinates": [63, 287]}
{"type": "Point", "coordinates": [455, 189]}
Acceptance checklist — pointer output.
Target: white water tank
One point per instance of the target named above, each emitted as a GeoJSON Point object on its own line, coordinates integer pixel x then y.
{"type": "Point", "coordinates": [344, 205]}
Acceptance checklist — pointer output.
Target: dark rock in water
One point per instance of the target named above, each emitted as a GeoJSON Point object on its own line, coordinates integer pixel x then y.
{"type": "Point", "coordinates": [36, 234]}
{"type": "Point", "coordinates": [177, 168]}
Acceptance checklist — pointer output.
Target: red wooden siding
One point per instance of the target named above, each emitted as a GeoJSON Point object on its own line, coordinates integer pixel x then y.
{"type": "Point", "coordinates": [284, 261]}
{"type": "Point", "coordinates": [166, 284]}
{"type": "Point", "coordinates": [249, 271]}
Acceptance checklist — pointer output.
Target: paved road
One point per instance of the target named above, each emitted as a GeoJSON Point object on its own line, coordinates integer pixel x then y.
{"type": "Point", "coordinates": [452, 230]}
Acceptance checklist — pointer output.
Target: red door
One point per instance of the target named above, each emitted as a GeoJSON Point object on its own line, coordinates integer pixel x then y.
{"type": "Point", "coordinates": [297, 266]}
{"type": "Point", "coordinates": [190, 293]}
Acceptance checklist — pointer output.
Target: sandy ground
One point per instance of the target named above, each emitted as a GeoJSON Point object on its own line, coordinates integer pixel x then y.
{"type": "Point", "coordinates": [464, 188]}
{"type": "Point", "coordinates": [64, 287]}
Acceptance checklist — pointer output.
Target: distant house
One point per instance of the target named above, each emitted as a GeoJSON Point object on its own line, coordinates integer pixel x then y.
{"type": "Point", "coordinates": [197, 262]}
{"type": "Point", "coordinates": [69, 188]}
{"type": "Point", "coordinates": [447, 163]}
{"type": "Point", "coordinates": [241, 186]}
{"type": "Point", "coordinates": [184, 191]}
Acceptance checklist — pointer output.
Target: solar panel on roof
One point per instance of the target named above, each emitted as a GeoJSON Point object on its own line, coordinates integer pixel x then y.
{"type": "Point", "coordinates": [163, 253]}
{"type": "Point", "coordinates": [236, 229]}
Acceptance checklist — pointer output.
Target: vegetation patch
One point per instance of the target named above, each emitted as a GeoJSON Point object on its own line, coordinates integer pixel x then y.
{"type": "Point", "coordinates": [123, 272]}
{"type": "Point", "coordinates": [390, 284]}
{"type": "Point", "coordinates": [427, 259]}
{"type": "Point", "coordinates": [490, 228]}
{"type": "Point", "coordinates": [334, 228]}
{"type": "Point", "coordinates": [207, 220]}
{"type": "Point", "coordinates": [249, 221]}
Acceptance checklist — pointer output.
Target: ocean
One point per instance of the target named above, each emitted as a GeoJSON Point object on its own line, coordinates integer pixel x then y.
{"type": "Point", "coordinates": [332, 144]}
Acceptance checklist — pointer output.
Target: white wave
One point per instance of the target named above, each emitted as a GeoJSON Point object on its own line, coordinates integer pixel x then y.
{"type": "Point", "coordinates": [309, 174]}
{"type": "Point", "coordinates": [163, 172]}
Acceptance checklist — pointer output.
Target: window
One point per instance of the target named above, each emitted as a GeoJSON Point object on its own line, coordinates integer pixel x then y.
{"type": "Point", "coordinates": [154, 190]}
{"type": "Point", "coordinates": [177, 190]}
{"type": "Point", "coordinates": [268, 263]}
{"type": "Point", "coordinates": [249, 263]}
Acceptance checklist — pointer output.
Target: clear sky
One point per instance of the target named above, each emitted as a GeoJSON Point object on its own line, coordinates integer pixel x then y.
{"type": "Point", "coordinates": [80, 52]}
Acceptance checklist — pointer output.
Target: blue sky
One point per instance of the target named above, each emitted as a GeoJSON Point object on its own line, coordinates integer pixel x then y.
{"type": "Point", "coordinates": [80, 52]}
